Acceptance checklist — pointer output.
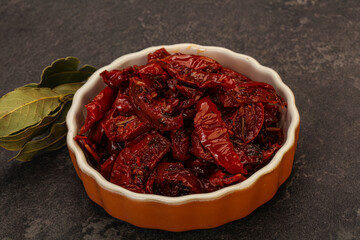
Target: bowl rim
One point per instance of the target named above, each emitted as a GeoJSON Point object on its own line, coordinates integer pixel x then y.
{"type": "Point", "coordinates": [100, 180]}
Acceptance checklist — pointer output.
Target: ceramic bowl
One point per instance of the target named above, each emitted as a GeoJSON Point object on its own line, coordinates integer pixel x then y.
{"type": "Point", "coordinates": [197, 211]}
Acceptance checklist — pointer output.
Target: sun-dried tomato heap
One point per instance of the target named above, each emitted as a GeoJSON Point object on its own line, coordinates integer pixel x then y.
{"type": "Point", "coordinates": [181, 124]}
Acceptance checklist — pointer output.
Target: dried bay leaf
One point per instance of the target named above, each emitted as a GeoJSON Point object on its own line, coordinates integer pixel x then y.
{"type": "Point", "coordinates": [25, 107]}
{"type": "Point", "coordinates": [16, 141]}
{"type": "Point", "coordinates": [36, 109]}
{"type": "Point", "coordinates": [54, 141]}
{"type": "Point", "coordinates": [68, 88]}
{"type": "Point", "coordinates": [32, 85]}
{"type": "Point", "coordinates": [65, 70]}
{"type": "Point", "coordinates": [87, 68]}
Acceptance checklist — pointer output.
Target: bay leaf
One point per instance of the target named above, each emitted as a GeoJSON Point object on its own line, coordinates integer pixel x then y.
{"type": "Point", "coordinates": [55, 140]}
{"type": "Point", "coordinates": [32, 85]}
{"type": "Point", "coordinates": [65, 70]}
{"type": "Point", "coordinates": [87, 68]}
{"type": "Point", "coordinates": [68, 88]}
{"type": "Point", "coordinates": [25, 107]}
{"type": "Point", "coordinates": [16, 141]}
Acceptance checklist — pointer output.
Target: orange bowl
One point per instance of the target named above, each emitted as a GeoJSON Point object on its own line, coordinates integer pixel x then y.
{"type": "Point", "coordinates": [196, 211]}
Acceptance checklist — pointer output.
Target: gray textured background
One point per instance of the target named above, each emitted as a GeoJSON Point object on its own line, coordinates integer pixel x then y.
{"type": "Point", "coordinates": [314, 46]}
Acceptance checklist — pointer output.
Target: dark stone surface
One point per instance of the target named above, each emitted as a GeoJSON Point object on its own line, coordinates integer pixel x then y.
{"type": "Point", "coordinates": [314, 46]}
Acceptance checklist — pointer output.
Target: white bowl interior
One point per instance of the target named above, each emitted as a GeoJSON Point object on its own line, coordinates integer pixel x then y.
{"type": "Point", "coordinates": [238, 62]}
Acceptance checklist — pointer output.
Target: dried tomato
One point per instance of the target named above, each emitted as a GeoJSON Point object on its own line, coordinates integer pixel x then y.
{"type": "Point", "coordinates": [220, 179]}
{"type": "Point", "coordinates": [196, 62]}
{"type": "Point", "coordinates": [90, 147]}
{"type": "Point", "coordinates": [96, 133]}
{"type": "Point", "coordinates": [158, 54]}
{"type": "Point", "coordinates": [106, 167]}
{"type": "Point", "coordinates": [115, 78]}
{"type": "Point", "coordinates": [201, 168]}
{"type": "Point", "coordinates": [237, 77]}
{"type": "Point", "coordinates": [123, 128]}
{"type": "Point", "coordinates": [97, 108]}
{"type": "Point", "coordinates": [272, 114]}
{"type": "Point", "coordinates": [180, 141]}
{"type": "Point", "coordinates": [214, 136]}
{"type": "Point", "coordinates": [173, 179]}
{"type": "Point", "coordinates": [249, 92]}
{"type": "Point", "coordinates": [246, 122]}
{"type": "Point", "coordinates": [198, 150]}
{"type": "Point", "coordinates": [181, 124]}
{"type": "Point", "coordinates": [123, 105]}
{"type": "Point", "coordinates": [153, 110]}
{"type": "Point", "coordinates": [135, 162]}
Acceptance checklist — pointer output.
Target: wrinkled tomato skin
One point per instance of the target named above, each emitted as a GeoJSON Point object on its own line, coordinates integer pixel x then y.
{"type": "Point", "coordinates": [106, 167]}
{"type": "Point", "coordinates": [246, 122]}
{"type": "Point", "coordinates": [202, 169]}
{"type": "Point", "coordinates": [238, 77]}
{"type": "Point", "coordinates": [205, 80]}
{"type": "Point", "coordinates": [198, 150]}
{"type": "Point", "coordinates": [124, 128]}
{"type": "Point", "coordinates": [255, 156]}
{"type": "Point", "coordinates": [153, 72]}
{"type": "Point", "coordinates": [135, 162]}
{"type": "Point", "coordinates": [123, 105]}
{"type": "Point", "coordinates": [249, 92]}
{"type": "Point", "coordinates": [96, 133]}
{"type": "Point", "coordinates": [219, 179]}
{"type": "Point", "coordinates": [153, 112]}
{"type": "Point", "coordinates": [213, 135]}
{"type": "Point", "coordinates": [121, 175]}
{"type": "Point", "coordinates": [271, 114]}
{"type": "Point", "coordinates": [158, 54]}
{"type": "Point", "coordinates": [180, 140]}
{"type": "Point", "coordinates": [250, 155]}
{"type": "Point", "coordinates": [89, 146]}
{"type": "Point", "coordinates": [196, 62]}
{"type": "Point", "coordinates": [115, 78]}
{"type": "Point", "coordinates": [200, 71]}
{"type": "Point", "coordinates": [173, 179]}
{"type": "Point", "coordinates": [192, 96]}
{"type": "Point", "coordinates": [270, 136]}
{"type": "Point", "coordinates": [97, 108]}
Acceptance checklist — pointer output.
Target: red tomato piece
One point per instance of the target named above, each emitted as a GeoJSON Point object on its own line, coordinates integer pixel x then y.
{"type": "Point", "coordinates": [173, 179]}
{"type": "Point", "coordinates": [220, 179]}
{"type": "Point", "coordinates": [251, 156]}
{"type": "Point", "coordinates": [271, 114]}
{"type": "Point", "coordinates": [136, 161]}
{"type": "Point", "coordinates": [123, 105]}
{"type": "Point", "coordinates": [153, 73]}
{"type": "Point", "coordinates": [213, 135]}
{"type": "Point", "coordinates": [250, 92]}
{"type": "Point", "coordinates": [158, 54]}
{"type": "Point", "coordinates": [246, 122]}
{"type": "Point", "coordinates": [97, 108]}
{"type": "Point", "coordinates": [202, 169]}
{"type": "Point", "coordinates": [205, 80]}
{"type": "Point", "coordinates": [153, 111]}
{"type": "Point", "coordinates": [198, 149]}
{"type": "Point", "coordinates": [106, 167]}
{"type": "Point", "coordinates": [196, 62]}
{"type": "Point", "coordinates": [238, 77]}
{"type": "Point", "coordinates": [115, 78]}
{"type": "Point", "coordinates": [180, 141]}
{"type": "Point", "coordinates": [124, 128]}
{"type": "Point", "coordinates": [90, 147]}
